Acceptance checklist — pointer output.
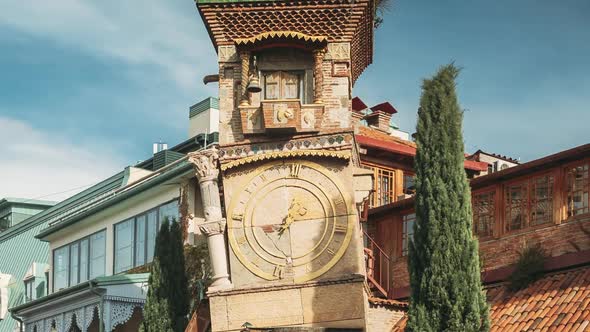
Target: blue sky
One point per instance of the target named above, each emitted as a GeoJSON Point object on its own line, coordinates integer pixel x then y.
{"type": "Point", "coordinates": [87, 86]}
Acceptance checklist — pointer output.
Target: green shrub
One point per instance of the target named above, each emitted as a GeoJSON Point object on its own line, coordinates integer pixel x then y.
{"type": "Point", "coordinates": [529, 268]}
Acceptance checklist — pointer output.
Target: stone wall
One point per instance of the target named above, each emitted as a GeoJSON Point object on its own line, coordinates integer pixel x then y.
{"type": "Point", "coordinates": [336, 304]}
{"type": "Point", "coordinates": [381, 318]}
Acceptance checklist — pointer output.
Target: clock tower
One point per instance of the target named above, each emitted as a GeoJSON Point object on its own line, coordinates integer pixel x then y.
{"type": "Point", "coordinates": [287, 163]}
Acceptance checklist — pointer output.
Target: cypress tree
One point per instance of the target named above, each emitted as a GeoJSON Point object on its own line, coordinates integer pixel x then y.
{"type": "Point", "coordinates": [446, 290]}
{"type": "Point", "coordinates": [167, 301]}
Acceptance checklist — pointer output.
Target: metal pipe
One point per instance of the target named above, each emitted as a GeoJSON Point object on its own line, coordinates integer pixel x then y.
{"type": "Point", "coordinates": [16, 318]}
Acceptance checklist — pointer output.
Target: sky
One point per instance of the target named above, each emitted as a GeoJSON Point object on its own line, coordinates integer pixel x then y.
{"type": "Point", "coordinates": [86, 87]}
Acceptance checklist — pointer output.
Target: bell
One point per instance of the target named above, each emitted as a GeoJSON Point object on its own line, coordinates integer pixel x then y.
{"type": "Point", "coordinates": [254, 85]}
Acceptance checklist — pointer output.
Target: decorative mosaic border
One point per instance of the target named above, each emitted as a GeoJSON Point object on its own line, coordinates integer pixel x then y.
{"type": "Point", "coordinates": [323, 145]}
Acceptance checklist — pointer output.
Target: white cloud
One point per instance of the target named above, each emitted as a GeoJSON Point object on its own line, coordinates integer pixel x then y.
{"type": "Point", "coordinates": [167, 34]}
{"type": "Point", "coordinates": [38, 164]}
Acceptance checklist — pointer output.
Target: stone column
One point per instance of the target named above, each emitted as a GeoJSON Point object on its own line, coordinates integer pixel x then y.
{"type": "Point", "coordinates": [207, 171]}
{"type": "Point", "coordinates": [245, 60]}
{"type": "Point", "coordinates": [318, 75]}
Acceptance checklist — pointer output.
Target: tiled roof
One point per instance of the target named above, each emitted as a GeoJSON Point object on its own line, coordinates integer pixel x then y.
{"type": "Point", "coordinates": [380, 140]}
{"type": "Point", "coordinates": [557, 302]}
{"type": "Point", "coordinates": [388, 302]}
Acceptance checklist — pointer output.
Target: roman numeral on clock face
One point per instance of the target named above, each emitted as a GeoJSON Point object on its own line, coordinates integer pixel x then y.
{"type": "Point", "coordinates": [295, 168]}
{"type": "Point", "coordinates": [340, 228]}
{"type": "Point", "coordinates": [278, 271]}
{"type": "Point", "coordinates": [237, 217]}
{"type": "Point", "coordinates": [331, 251]}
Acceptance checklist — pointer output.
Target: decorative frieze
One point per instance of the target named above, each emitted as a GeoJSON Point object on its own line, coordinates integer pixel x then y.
{"type": "Point", "coordinates": [341, 141]}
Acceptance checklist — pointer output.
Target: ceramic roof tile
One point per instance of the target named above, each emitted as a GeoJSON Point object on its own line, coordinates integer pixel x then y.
{"type": "Point", "coordinates": [557, 302]}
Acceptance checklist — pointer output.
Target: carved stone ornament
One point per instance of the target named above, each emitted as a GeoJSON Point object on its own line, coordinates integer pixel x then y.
{"type": "Point", "coordinates": [213, 227]}
{"type": "Point", "coordinates": [227, 53]}
{"type": "Point", "coordinates": [338, 51]}
{"type": "Point", "coordinates": [205, 163]}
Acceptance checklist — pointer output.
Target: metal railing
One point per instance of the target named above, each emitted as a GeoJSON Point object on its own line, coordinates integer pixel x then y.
{"type": "Point", "coordinates": [378, 265]}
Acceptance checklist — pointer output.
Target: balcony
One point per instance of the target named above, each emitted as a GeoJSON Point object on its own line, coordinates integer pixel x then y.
{"type": "Point", "coordinates": [284, 116]}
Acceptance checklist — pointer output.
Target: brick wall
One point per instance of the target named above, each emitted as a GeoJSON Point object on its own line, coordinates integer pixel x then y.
{"type": "Point", "coordinates": [557, 240]}
{"type": "Point", "coordinates": [336, 88]}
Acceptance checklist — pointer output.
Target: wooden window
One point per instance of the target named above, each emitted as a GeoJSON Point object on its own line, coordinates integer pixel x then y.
{"type": "Point", "coordinates": [282, 85]}
{"type": "Point", "coordinates": [383, 186]}
{"type": "Point", "coordinates": [577, 190]}
{"type": "Point", "coordinates": [484, 213]}
{"type": "Point", "coordinates": [516, 206]}
{"type": "Point", "coordinates": [541, 200]}
{"type": "Point", "coordinates": [407, 231]}
{"type": "Point", "coordinates": [529, 203]}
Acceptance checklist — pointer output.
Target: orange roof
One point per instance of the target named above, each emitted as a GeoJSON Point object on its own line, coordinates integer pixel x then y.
{"type": "Point", "coordinates": [557, 302]}
{"type": "Point", "coordinates": [377, 139]}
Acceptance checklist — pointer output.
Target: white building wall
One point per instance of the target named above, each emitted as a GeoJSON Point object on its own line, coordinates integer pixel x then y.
{"type": "Point", "coordinates": [106, 220]}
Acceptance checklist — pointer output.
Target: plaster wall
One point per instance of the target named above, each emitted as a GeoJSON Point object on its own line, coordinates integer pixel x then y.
{"type": "Point", "coordinates": [204, 123]}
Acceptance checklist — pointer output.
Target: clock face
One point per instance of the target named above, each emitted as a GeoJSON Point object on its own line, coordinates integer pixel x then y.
{"type": "Point", "coordinates": [290, 220]}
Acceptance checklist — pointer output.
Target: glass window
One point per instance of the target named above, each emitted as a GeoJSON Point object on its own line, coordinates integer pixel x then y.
{"type": "Point", "coordinates": [124, 245]}
{"type": "Point", "coordinates": [97, 254]}
{"type": "Point", "coordinates": [152, 232]}
{"type": "Point", "coordinates": [140, 242]}
{"type": "Point", "coordinates": [484, 213]}
{"type": "Point", "coordinates": [79, 261]}
{"type": "Point", "coordinates": [61, 259]}
{"type": "Point", "coordinates": [74, 260]}
{"type": "Point", "coordinates": [170, 211]}
{"type": "Point", "coordinates": [84, 260]}
{"type": "Point", "coordinates": [516, 206]}
{"type": "Point", "coordinates": [409, 184]}
{"type": "Point", "coordinates": [135, 239]}
{"type": "Point", "coordinates": [29, 283]}
{"type": "Point", "coordinates": [407, 231]}
{"type": "Point", "coordinates": [577, 188]}
{"type": "Point", "coordinates": [542, 200]}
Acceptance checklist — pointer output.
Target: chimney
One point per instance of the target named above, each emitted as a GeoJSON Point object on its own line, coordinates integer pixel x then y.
{"type": "Point", "coordinates": [380, 118]}
{"type": "Point", "coordinates": [159, 146]}
{"type": "Point", "coordinates": [204, 117]}
{"type": "Point", "coordinates": [359, 109]}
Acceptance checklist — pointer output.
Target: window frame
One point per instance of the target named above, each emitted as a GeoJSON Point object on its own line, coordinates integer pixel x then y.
{"type": "Point", "coordinates": [564, 216]}
{"type": "Point", "coordinates": [494, 211]}
{"type": "Point", "coordinates": [281, 96]}
{"type": "Point", "coordinates": [528, 181]}
{"type": "Point", "coordinates": [375, 198]}
{"type": "Point", "coordinates": [134, 219]}
{"type": "Point", "coordinates": [69, 257]}
{"type": "Point", "coordinates": [405, 231]}
{"type": "Point", "coordinates": [29, 283]}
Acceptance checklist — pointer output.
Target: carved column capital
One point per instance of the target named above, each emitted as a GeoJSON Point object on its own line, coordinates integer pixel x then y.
{"type": "Point", "coordinates": [212, 227]}
{"type": "Point", "coordinates": [205, 163]}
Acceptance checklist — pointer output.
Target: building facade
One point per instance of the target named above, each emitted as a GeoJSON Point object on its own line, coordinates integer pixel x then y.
{"type": "Point", "coordinates": [23, 259]}
{"type": "Point", "coordinates": [100, 242]}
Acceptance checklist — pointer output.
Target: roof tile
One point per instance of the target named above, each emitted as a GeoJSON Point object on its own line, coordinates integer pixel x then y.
{"type": "Point", "coordinates": [557, 302]}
